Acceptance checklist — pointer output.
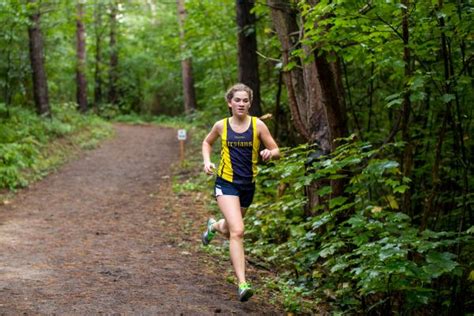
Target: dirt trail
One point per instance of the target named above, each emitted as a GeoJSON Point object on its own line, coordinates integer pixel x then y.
{"type": "Point", "coordinates": [101, 236]}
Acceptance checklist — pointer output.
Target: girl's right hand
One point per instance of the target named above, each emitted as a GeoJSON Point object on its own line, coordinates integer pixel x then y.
{"type": "Point", "coordinates": [209, 167]}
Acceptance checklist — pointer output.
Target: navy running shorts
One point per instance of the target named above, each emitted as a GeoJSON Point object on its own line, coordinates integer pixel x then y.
{"type": "Point", "coordinates": [245, 192]}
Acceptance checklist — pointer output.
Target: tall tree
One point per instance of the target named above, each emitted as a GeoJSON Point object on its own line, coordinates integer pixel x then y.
{"type": "Point", "coordinates": [113, 63]}
{"type": "Point", "coordinates": [98, 30]}
{"type": "Point", "coordinates": [314, 90]}
{"type": "Point", "coordinates": [81, 82]}
{"type": "Point", "coordinates": [40, 83]}
{"type": "Point", "coordinates": [300, 81]}
{"type": "Point", "coordinates": [314, 85]}
{"type": "Point", "coordinates": [186, 63]}
{"type": "Point", "coordinates": [247, 52]}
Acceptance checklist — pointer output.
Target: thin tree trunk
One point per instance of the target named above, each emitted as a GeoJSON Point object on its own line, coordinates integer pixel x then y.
{"type": "Point", "coordinates": [152, 6]}
{"type": "Point", "coordinates": [351, 104]}
{"type": "Point", "coordinates": [186, 63]}
{"type": "Point", "coordinates": [113, 64]}
{"type": "Point", "coordinates": [40, 83]}
{"type": "Point", "coordinates": [81, 83]}
{"type": "Point", "coordinates": [8, 90]}
{"type": "Point", "coordinates": [407, 160]}
{"type": "Point", "coordinates": [278, 105]}
{"type": "Point", "coordinates": [98, 54]}
{"type": "Point", "coordinates": [247, 52]}
{"type": "Point", "coordinates": [428, 209]}
{"type": "Point", "coordinates": [371, 96]}
{"type": "Point", "coordinates": [459, 139]}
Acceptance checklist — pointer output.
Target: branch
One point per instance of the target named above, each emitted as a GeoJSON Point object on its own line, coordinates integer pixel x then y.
{"type": "Point", "coordinates": [268, 58]}
{"type": "Point", "coordinates": [394, 130]}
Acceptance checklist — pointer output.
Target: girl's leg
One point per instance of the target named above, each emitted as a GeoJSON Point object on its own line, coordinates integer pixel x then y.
{"type": "Point", "coordinates": [221, 225]}
{"type": "Point", "coordinates": [234, 225]}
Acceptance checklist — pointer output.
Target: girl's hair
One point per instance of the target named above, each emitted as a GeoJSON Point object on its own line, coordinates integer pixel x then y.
{"type": "Point", "coordinates": [238, 87]}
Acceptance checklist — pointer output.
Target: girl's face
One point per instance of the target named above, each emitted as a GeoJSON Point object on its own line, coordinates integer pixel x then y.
{"type": "Point", "coordinates": [240, 103]}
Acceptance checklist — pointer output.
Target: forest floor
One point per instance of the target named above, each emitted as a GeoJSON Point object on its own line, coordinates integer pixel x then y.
{"type": "Point", "coordinates": [106, 234]}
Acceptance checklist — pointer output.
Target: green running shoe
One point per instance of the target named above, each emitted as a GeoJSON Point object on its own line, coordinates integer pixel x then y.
{"type": "Point", "coordinates": [209, 233]}
{"type": "Point", "coordinates": [245, 292]}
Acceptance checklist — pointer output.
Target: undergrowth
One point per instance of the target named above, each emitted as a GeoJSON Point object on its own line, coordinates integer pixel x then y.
{"type": "Point", "coordinates": [31, 145]}
{"type": "Point", "coordinates": [356, 253]}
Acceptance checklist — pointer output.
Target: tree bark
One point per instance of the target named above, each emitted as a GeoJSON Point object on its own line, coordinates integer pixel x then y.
{"type": "Point", "coordinates": [186, 63]}
{"type": "Point", "coordinates": [247, 52]}
{"type": "Point", "coordinates": [113, 64]}
{"type": "Point", "coordinates": [284, 21]}
{"type": "Point", "coordinates": [40, 83]}
{"type": "Point", "coordinates": [330, 79]}
{"type": "Point", "coordinates": [407, 160]}
{"type": "Point", "coordinates": [315, 92]}
{"type": "Point", "coordinates": [81, 82]}
{"type": "Point", "coordinates": [98, 54]}
{"type": "Point", "coordinates": [7, 89]}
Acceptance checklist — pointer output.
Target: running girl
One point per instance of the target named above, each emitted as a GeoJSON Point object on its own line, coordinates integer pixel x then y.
{"type": "Point", "coordinates": [241, 135]}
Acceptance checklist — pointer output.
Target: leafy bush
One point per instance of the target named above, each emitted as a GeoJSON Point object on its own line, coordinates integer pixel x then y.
{"type": "Point", "coordinates": [357, 252]}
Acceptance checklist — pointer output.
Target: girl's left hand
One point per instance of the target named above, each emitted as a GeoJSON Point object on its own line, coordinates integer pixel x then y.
{"type": "Point", "coordinates": [266, 154]}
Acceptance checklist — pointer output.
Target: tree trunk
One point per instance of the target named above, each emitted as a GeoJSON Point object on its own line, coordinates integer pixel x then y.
{"type": "Point", "coordinates": [315, 92]}
{"type": "Point", "coordinates": [113, 64]}
{"type": "Point", "coordinates": [407, 161]}
{"type": "Point", "coordinates": [152, 6]}
{"type": "Point", "coordinates": [435, 171]}
{"type": "Point", "coordinates": [81, 83]}
{"type": "Point", "coordinates": [98, 55]}
{"type": "Point", "coordinates": [278, 109]}
{"type": "Point", "coordinates": [330, 79]}
{"type": "Point", "coordinates": [247, 52]}
{"type": "Point", "coordinates": [186, 63]}
{"type": "Point", "coordinates": [285, 25]}
{"type": "Point", "coordinates": [7, 89]}
{"type": "Point", "coordinates": [40, 83]}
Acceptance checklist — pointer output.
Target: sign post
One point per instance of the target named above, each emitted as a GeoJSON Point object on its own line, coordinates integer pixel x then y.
{"type": "Point", "coordinates": [181, 138]}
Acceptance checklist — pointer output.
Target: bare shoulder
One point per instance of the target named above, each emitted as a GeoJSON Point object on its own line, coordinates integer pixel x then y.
{"type": "Point", "coordinates": [218, 126]}
{"type": "Point", "coordinates": [216, 130]}
{"type": "Point", "coordinates": [261, 126]}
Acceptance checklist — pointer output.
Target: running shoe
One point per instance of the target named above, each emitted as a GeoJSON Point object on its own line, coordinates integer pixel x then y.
{"type": "Point", "coordinates": [245, 292]}
{"type": "Point", "coordinates": [209, 234]}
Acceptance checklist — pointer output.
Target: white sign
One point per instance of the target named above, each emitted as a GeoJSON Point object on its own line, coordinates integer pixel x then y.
{"type": "Point", "coordinates": [181, 134]}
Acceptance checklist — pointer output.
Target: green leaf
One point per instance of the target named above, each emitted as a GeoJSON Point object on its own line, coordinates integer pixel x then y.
{"type": "Point", "coordinates": [446, 98]}
{"type": "Point", "coordinates": [327, 189]}
{"type": "Point", "coordinates": [321, 220]}
{"type": "Point", "coordinates": [337, 201]}
{"type": "Point", "coordinates": [401, 189]}
{"type": "Point", "coordinates": [439, 263]}
{"type": "Point", "coordinates": [470, 230]}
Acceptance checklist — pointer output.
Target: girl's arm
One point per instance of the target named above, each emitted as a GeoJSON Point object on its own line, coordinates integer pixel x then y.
{"type": "Point", "coordinates": [207, 147]}
{"type": "Point", "coordinates": [271, 150]}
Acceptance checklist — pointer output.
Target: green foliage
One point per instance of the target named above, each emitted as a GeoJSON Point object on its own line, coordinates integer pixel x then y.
{"type": "Point", "coordinates": [357, 252]}
{"type": "Point", "coordinates": [212, 39]}
{"type": "Point", "coordinates": [24, 138]}
{"type": "Point", "coordinates": [14, 62]}
{"type": "Point", "coordinates": [150, 73]}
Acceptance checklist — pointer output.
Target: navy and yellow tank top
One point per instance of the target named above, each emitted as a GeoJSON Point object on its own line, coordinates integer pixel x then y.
{"type": "Point", "coordinates": [239, 153]}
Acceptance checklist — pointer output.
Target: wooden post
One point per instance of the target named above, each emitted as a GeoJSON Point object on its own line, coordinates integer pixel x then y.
{"type": "Point", "coordinates": [181, 138]}
{"type": "Point", "coordinates": [181, 151]}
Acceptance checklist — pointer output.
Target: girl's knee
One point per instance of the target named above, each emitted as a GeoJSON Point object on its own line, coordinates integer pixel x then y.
{"type": "Point", "coordinates": [237, 233]}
